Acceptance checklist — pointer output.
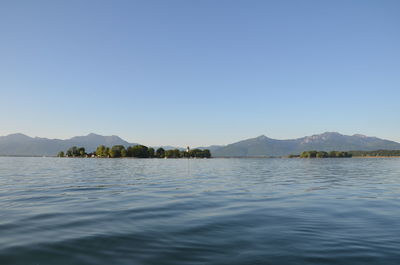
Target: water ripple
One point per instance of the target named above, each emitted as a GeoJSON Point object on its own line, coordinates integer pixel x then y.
{"type": "Point", "coordinates": [216, 211]}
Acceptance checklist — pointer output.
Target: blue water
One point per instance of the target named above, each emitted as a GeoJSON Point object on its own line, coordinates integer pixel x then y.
{"type": "Point", "coordinates": [199, 211]}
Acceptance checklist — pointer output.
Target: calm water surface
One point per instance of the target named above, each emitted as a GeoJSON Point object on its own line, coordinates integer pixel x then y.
{"type": "Point", "coordinates": [215, 211]}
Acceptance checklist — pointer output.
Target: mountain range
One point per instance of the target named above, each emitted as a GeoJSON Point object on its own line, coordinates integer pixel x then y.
{"type": "Point", "coordinates": [22, 145]}
{"type": "Point", "coordinates": [328, 141]}
{"type": "Point", "coordinates": [261, 146]}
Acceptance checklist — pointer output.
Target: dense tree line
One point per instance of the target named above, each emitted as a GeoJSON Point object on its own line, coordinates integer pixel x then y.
{"type": "Point", "coordinates": [74, 152]}
{"type": "Point", "coordinates": [339, 154]}
{"type": "Point", "coordinates": [138, 151]}
{"type": "Point", "coordinates": [323, 154]}
{"type": "Point", "coordinates": [376, 153]}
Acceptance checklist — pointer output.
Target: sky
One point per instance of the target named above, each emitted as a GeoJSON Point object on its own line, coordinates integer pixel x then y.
{"type": "Point", "coordinates": [199, 72]}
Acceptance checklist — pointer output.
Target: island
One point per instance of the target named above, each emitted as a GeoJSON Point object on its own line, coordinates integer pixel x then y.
{"type": "Point", "coordinates": [322, 154]}
{"type": "Point", "coordinates": [347, 154]}
{"type": "Point", "coordinates": [137, 151]}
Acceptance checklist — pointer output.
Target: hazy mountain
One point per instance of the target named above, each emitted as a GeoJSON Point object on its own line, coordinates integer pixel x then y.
{"type": "Point", "coordinates": [264, 146]}
{"type": "Point", "coordinates": [20, 144]}
{"type": "Point", "coordinates": [92, 141]}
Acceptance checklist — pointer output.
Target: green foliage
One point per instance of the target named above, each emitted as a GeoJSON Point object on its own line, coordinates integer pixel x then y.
{"type": "Point", "coordinates": [323, 154]}
{"type": "Point", "coordinates": [73, 151]}
{"type": "Point", "coordinates": [332, 153]}
{"type": "Point", "coordinates": [206, 153]}
{"type": "Point", "coordinates": [101, 151]}
{"type": "Point", "coordinates": [376, 153]}
{"type": "Point", "coordinates": [61, 154]}
{"type": "Point", "coordinates": [160, 153]}
{"type": "Point", "coordinates": [123, 152]}
{"type": "Point", "coordinates": [200, 153]}
{"type": "Point", "coordinates": [116, 151]}
{"type": "Point", "coordinates": [150, 151]}
{"type": "Point", "coordinates": [309, 154]}
{"type": "Point", "coordinates": [174, 153]}
{"type": "Point", "coordinates": [82, 152]}
{"type": "Point", "coordinates": [137, 151]}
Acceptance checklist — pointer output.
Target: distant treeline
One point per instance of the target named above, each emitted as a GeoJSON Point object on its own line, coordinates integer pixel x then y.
{"type": "Point", "coordinates": [376, 153]}
{"type": "Point", "coordinates": [339, 154]}
{"type": "Point", "coordinates": [322, 154]}
{"type": "Point", "coordinates": [138, 151]}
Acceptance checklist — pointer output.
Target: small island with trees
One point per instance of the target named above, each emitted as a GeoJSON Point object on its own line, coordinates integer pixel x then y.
{"type": "Point", "coordinates": [137, 151]}
{"type": "Point", "coordinates": [322, 154]}
{"type": "Point", "coordinates": [376, 153]}
{"type": "Point", "coordinates": [347, 154]}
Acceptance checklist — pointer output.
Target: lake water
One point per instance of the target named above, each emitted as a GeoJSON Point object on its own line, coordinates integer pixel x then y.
{"type": "Point", "coordinates": [199, 211]}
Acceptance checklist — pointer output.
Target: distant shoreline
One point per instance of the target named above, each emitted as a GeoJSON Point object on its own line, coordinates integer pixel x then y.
{"type": "Point", "coordinates": [221, 157]}
{"type": "Point", "coordinates": [375, 156]}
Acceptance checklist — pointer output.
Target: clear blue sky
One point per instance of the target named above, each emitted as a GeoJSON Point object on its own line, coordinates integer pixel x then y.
{"type": "Point", "coordinates": [199, 72]}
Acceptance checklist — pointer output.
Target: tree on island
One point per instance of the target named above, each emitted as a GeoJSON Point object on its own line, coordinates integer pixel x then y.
{"type": "Point", "coordinates": [160, 152]}
{"type": "Point", "coordinates": [308, 154]}
{"type": "Point", "coordinates": [75, 151]}
{"type": "Point", "coordinates": [117, 151]}
{"type": "Point", "coordinates": [322, 154]}
{"type": "Point", "coordinates": [81, 151]}
{"type": "Point", "coordinates": [139, 151]}
{"type": "Point", "coordinates": [200, 153]}
{"type": "Point", "coordinates": [150, 151]}
{"type": "Point", "coordinates": [174, 153]}
{"type": "Point", "coordinates": [101, 151]}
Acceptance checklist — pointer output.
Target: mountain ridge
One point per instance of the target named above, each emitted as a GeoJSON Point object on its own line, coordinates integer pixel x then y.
{"type": "Point", "coordinates": [327, 141]}
{"type": "Point", "coordinates": [19, 144]}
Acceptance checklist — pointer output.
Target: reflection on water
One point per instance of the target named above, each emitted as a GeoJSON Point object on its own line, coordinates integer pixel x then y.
{"type": "Point", "coordinates": [215, 211]}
